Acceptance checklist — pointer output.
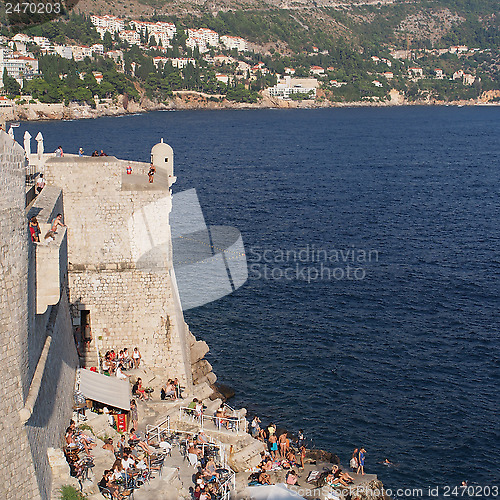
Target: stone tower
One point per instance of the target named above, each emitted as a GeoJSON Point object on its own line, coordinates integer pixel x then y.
{"type": "Point", "coordinates": [121, 277]}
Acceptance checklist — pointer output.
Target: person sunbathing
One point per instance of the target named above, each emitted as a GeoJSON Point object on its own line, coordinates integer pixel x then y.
{"type": "Point", "coordinates": [333, 481]}
{"type": "Point", "coordinates": [291, 477]}
{"type": "Point", "coordinates": [343, 476]}
{"type": "Point", "coordinates": [264, 478]}
{"type": "Point", "coordinates": [290, 456]}
{"type": "Point", "coordinates": [267, 465]}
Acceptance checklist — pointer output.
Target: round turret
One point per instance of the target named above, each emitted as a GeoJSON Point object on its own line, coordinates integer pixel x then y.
{"type": "Point", "coordinates": [162, 157]}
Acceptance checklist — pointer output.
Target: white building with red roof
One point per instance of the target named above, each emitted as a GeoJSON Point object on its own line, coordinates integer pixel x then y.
{"type": "Point", "coordinates": [317, 70]}
{"type": "Point", "coordinates": [234, 42]}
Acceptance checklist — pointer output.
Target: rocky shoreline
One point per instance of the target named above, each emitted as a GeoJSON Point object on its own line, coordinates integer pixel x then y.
{"type": "Point", "coordinates": [186, 100]}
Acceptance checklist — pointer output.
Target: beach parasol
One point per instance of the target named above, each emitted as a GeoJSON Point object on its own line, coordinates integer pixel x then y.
{"type": "Point", "coordinates": [27, 143]}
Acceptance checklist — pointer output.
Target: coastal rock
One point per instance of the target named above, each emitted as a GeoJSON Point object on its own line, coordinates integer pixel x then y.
{"type": "Point", "coordinates": [222, 392]}
{"type": "Point", "coordinates": [322, 456]}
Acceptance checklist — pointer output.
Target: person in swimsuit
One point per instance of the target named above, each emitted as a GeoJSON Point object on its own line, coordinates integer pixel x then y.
{"type": "Point", "coordinates": [283, 447]}
{"type": "Point", "coordinates": [57, 222]}
{"type": "Point", "coordinates": [151, 173]}
{"type": "Point", "coordinates": [361, 461]}
{"type": "Point", "coordinates": [273, 441]}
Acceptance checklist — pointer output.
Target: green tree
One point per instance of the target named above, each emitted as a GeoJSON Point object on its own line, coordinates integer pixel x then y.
{"type": "Point", "coordinates": [10, 84]}
{"type": "Point", "coordinates": [107, 41]}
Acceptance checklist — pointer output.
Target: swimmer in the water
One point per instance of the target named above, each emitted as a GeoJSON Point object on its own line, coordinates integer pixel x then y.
{"type": "Point", "coordinates": [386, 462]}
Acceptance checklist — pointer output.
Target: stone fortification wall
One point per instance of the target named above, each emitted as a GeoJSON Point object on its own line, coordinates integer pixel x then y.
{"type": "Point", "coordinates": [53, 406]}
{"type": "Point", "coordinates": [17, 474]}
{"type": "Point", "coordinates": [120, 255]}
{"type": "Point", "coordinates": [45, 206]}
{"type": "Point", "coordinates": [36, 396]}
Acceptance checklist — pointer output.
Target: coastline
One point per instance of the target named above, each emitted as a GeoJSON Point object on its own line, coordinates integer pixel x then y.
{"type": "Point", "coordinates": [186, 100]}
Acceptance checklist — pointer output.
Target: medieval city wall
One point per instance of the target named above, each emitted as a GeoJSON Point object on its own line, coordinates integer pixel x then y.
{"type": "Point", "coordinates": [17, 474]}
{"type": "Point", "coordinates": [38, 349]}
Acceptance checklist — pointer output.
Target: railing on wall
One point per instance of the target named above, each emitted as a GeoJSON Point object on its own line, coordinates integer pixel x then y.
{"type": "Point", "coordinates": [159, 429]}
{"type": "Point", "coordinates": [226, 424]}
{"type": "Point", "coordinates": [31, 174]}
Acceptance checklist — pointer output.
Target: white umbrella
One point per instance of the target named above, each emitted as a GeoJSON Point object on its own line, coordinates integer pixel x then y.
{"type": "Point", "coordinates": [27, 143]}
{"type": "Point", "coordinates": [39, 140]}
{"type": "Point", "coordinates": [11, 133]}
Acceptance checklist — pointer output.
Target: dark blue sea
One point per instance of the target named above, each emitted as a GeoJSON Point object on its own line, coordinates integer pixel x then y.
{"type": "Point", "coordinates": [400, 352]}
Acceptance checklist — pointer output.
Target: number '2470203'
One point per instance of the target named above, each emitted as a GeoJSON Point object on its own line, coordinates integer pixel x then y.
{"type": "Point", "coordinates": [470, 491]}
{"type": "Point", "coordinates": [32, 8]}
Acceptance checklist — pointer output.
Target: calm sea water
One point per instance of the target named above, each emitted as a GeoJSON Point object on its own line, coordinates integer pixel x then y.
{"type": "Point", "coordinates": [399, 354]}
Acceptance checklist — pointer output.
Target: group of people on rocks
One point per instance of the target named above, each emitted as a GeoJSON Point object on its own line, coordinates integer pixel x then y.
{"type": "Point", "coordinates": [279, 455]}
{"type": "Point", "coordinates": [282, 455]}
{"type": "Point", "coordinates": [116, 363]}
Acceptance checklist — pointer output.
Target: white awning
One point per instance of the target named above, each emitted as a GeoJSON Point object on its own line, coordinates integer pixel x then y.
{"type": "Point", "coordinates": [108, 390]}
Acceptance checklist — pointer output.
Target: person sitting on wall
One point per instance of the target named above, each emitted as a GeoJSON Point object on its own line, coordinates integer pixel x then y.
{"type": "Point", "coordinates": [138, 391]}
{"type": "Point", "coordinates": [95, 153]}
{"type": "Point", "coordinates": [59, 152]}
{"type": "Point", "coordinates": [103, 153]}
{"type": "Point", "coordinates": [40, 184]}
{"type": "Point", "coordinates": [119, 373]}
{"type": "Point", "coordinates": [49, 236]}
{"type": "Point", "coordinates": [168, 391]}
{"type": "Point", "coordinates": [34, 230]}
{"type": "Point", "coordinates": [57, 221]}
{"type": "Point", "coordinates": [136, 357]}
{"type": "Point", "coordinates": [127, 361]}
